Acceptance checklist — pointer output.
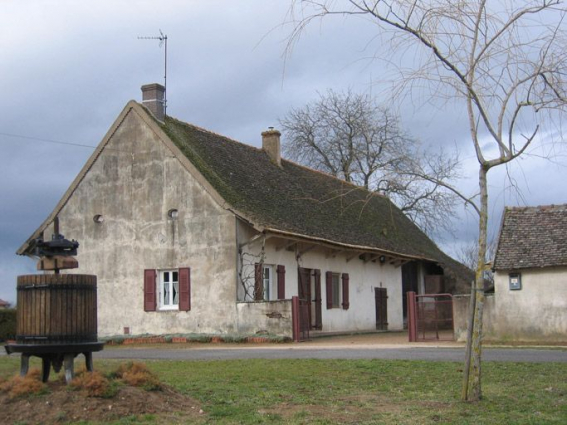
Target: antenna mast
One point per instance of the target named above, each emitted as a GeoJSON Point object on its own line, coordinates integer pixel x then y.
{"type": "Point", "coordinates": [162, 41]}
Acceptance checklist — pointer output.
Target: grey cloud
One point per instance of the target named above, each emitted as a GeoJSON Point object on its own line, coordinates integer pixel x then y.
{"type": "Point", "coordinates": [69, 68]}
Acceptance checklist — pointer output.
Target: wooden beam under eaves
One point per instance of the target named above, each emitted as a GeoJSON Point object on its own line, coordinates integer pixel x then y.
{"type": "Point", "coordinates": [397, 262]}
{"type": "Point", "coordinates": [371, 257]}
{"type": "Point", "coordinates": [254, 239]}
{"type": "Point", "coordinates": [352, 256]}
{"type": "Point", "coordinates": [286, 245]}
{"type": "Point", "coordinates": [306, 249]}
{"type": "Point", "coordinates": [332, 253]}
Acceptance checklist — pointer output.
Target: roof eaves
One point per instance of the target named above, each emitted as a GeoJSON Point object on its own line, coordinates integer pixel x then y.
{"type": "Point", "coordinates": [345, 245]}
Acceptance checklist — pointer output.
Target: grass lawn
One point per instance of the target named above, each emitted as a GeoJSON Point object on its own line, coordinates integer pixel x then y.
{"type": "Point", "coordinates": [357, 391]}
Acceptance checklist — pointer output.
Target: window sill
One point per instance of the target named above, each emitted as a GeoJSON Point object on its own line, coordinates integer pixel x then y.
{"type": "Point", "coordinates": [166, 309]}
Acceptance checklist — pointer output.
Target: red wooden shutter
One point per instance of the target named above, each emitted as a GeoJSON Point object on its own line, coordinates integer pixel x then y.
{"type": "Point", "coordinates": [281, 282]}
{"type": "Point", "coordinates": [346, 303]}
{"type": "Point", "coordinates": [150, 303]}
{"type": "Point", "coordinates": [258, 286]}
{"type": "Point", "coordinates": [329, 288]}
{"type": "Point", "coordinates": [318, 314]}
{"type": "Point", "coordinates": [185, 289]}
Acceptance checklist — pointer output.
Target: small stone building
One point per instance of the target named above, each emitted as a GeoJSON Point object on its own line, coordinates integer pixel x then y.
{"type": "Point", "coordinates": [189, 231]}
{"type": "Point", "coordinates": [530, 280]}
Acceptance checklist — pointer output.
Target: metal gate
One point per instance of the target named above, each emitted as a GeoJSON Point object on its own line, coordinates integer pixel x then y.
{"type": "Point", "coordinates": [300, 319]}
{"type": "Point", "coordinates": [430, 317]}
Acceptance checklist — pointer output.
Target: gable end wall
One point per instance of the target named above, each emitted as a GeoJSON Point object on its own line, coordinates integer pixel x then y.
{"type": "Point", "coordinates": [133, 184]}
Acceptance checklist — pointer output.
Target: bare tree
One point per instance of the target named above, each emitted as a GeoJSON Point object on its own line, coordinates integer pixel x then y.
{"type": "Point", "coordinates": [506, 61]}
{"type": "Point", "coordinates": [468, 255]}
{"type": "Point", "coordinates": [250, 270]}
{"type": "Point", "coordinates": [352, 137]}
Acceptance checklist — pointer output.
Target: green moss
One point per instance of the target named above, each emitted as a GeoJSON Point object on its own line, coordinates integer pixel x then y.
{"type": "Point", "coordinates": [300, 200]}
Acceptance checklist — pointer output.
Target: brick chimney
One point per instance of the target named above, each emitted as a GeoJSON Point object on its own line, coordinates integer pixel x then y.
{"type": "Point", "coordinates": [271, 145]}
{"type": "Point", "coordinates": [153, 96]}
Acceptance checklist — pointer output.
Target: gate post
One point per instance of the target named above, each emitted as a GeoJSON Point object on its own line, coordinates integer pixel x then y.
{"type": "Point", "coordinates": [295, 319]}
{"type": "Point", "coordinates": [412, 317]}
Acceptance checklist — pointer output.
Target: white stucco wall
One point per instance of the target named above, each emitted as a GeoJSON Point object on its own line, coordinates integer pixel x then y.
{"type": "Point", "coordinates": [363, 278]}
{"type": "Point", "coordinates": [273, 317]}
{"type": "Point", "coordinates": [133, 184]}
{"type": "Point", "coordinates": [461, 309]}
{"type": "Point", "coordinates": [538, 311]}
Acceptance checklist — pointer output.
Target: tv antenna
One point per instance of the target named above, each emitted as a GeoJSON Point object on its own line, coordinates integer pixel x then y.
{"type": "Point", "coordinates": [162, 42]}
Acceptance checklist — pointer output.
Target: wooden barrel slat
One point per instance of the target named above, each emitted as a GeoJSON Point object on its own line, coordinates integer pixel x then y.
{"type": "Point", "coordinates": [56, 309]}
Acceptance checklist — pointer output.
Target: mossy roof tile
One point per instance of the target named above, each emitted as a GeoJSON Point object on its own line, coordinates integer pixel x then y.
{"type": "Point", "coordinates": [299, 200]}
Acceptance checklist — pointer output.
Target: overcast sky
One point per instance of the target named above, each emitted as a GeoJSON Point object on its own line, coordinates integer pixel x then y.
{"type": "Point", "coordinates": [68, 68]}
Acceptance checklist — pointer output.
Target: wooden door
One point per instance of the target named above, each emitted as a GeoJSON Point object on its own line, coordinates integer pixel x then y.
{"type": "Point", "coordinates": [381, 297]}
{"type": "Point", "coordinates": [304, 289]}
{"type": "Point", "coordinates": [434, 284]}
{"type": "Point", "coordinates": [318, 323]}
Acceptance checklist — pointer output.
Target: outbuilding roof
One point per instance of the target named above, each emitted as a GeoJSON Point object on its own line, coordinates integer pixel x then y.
{"type": "Point", "coordinates": [532, 237]}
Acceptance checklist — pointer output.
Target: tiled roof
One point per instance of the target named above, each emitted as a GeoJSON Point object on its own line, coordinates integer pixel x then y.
{"type": "Point", "coordinates": [532, 237]}
{"type": "Point", "coordinates": [299, 200]}
{"type": "Point", "coordinates": [4, 303]}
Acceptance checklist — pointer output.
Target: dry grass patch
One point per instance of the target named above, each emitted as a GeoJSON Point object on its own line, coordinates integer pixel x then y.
{"type": "Point", "coordinates": [138, 375]}
{"type": "Point", "coordinates": [93, 397]}
{"type": "Point", "coordinates": [93, 384]}
{"type": "Point", "coordinates": [23, 386]}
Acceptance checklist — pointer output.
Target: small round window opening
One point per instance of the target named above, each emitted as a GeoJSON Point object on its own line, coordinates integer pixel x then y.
{"type": "Point", "coordinates": [98, 218]}
{"type": "Point", "coordinates": [173, 214]}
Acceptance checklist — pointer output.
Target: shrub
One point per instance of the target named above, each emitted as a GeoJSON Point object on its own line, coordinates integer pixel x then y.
{"type": "Point", "coordinates": [138, 375]}
{"type": "Point", "coordinates": [199, 338]}
{"type": "Point", "coordinates": [238, 339]}
{"type": "Point", "coordinates": [23, 386]}
{"type": "Point", "coordinates": [93, 384]}
{"type": "Point", "coordinates": [7, 324]}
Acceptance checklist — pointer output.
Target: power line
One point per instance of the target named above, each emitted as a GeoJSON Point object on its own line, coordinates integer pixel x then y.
{"type": "Point", "coordinates": [58, 142]}
{"type": "Point", "coordinates": [39, 139]}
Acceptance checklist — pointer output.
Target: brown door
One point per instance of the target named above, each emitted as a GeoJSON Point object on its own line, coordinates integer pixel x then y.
{"type": "Point", "coordinates": [434, 284]}
{"type": "Point", "coordinates": [317, 300]}
{"type": "Point", "coordinates": [304, 289]}
{"type": "Point", "coordinates": [381, 296]}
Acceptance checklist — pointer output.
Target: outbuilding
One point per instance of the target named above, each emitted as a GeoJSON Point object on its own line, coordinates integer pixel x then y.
{"type": "Point", "coordinates": [530, 279]}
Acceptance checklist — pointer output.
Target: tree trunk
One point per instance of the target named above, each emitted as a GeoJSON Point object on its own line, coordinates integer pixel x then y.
{"type": "Point", "coordinates": [472, 376]}
{"type": "Point", "coordinates": [468, 348]}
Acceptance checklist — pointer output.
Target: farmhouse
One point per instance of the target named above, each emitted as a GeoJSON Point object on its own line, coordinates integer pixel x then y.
{"type": "Point", "coordinates": [189, 231]}
{"type": "Point", "coordinates": [530, 280]}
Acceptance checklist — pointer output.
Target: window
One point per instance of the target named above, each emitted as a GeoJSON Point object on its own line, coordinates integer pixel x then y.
{"type": "Point", "coordinates": [336, 293]}
{"type": "Point", "coordinates": [169, 290]}
{"type": "Point", "coordinates": [268, 281]}
{"type": "Point", "coordinates": [337, 290]}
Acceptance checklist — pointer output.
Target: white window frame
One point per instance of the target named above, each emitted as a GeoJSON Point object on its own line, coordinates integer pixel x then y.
{"type": "Point", "coordinates": [269, 283]}
{"type": "Point", "coordinates": [166, 279]}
